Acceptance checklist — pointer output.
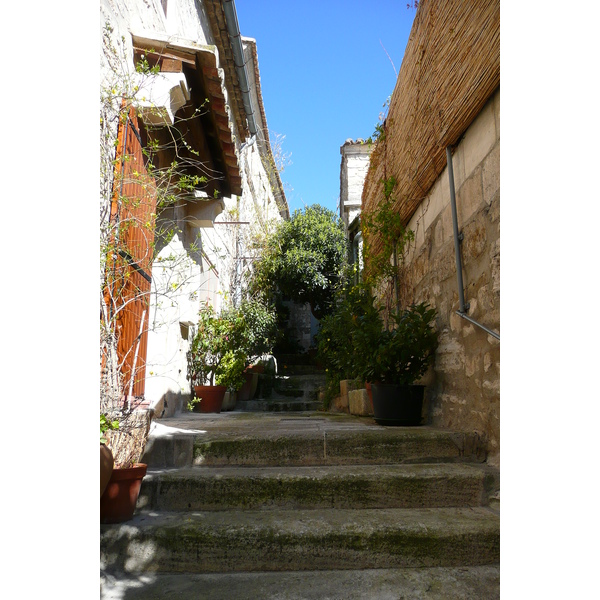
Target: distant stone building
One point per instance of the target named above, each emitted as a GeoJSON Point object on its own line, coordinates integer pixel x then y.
{"type": "Point", "coordinates": [353, 170]}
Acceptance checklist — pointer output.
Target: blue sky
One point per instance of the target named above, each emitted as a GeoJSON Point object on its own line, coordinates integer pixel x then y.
{"type": "Point", "coordinates": [325, 76]}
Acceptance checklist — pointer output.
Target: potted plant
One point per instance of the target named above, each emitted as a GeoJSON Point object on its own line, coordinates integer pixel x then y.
{"type": "Point", "coordinates": [216, 359]}
{"type": "Point", "coordinates": [123, 439]}
{"type": "Point", "coordinates": [258, 338]}
{"type": "Point", "coordinates": [399, 359]}
{"type": "Point", "coordinates": [124, 425]}
{"type": "Point", "coordinates": [347, 335]}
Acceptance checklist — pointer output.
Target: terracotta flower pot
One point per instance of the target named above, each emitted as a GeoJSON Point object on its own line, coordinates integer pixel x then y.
{"type": "Point", "coordinates": [211, 398]}
{"type": "Point", "coordinates": [107, 462]}
{"type": "Point", "coordinates": [117, 504]}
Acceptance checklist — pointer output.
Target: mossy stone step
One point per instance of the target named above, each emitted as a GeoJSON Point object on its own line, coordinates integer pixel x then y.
{"type": "Point", "coordinates": [255, 540]}
{"type": "Point", "coordinates": [398, 445]}
{"type": "Point", "coordinates": [354, 486]}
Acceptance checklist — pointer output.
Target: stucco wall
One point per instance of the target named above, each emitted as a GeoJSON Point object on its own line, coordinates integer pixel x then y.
{"type": "Point", "coordinates": [182, 273]}
{"type": "Point", "coordinates": [464, 384]}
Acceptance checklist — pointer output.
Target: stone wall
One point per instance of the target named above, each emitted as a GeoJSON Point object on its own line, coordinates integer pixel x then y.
{"type": "Point", "coordinates": [464, 384]}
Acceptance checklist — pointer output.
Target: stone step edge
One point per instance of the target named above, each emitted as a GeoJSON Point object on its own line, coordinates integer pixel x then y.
{"type": "Point", "coordinates": [281, 404]}
{"type": "Point", "coordinates": [312, 447]}
{"type": "Point", "coordinates": [230, 541]}
{"type": "Point", "coordinates": [351, 486]}
{"type": "Point", "coordinates": [434, 583]}
{"type": "Point", "coordinates": [336, 447]}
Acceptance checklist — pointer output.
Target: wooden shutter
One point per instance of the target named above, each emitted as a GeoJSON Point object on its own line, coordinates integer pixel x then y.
{"type": "Point", "coordinates": [128, 278]}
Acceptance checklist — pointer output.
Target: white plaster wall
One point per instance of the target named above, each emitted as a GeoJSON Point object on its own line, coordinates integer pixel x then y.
{"type": "Point", "coordinates": [176, 283]}
{"type": "Point", "coordinates": [130, 15]}
{"type": "Point", "coordinates": [178, 292]}
{"type": "Point", "coordinates": [197, 283]}
{"type": "Point", "coordinates": [182, 20]}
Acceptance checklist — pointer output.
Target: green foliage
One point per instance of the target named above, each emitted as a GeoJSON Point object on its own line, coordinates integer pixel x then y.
{"type": "Point", "coordinates": [144, 67]}
{"type": "Point", "coordinates": [353, 342]}
{"type": "Point", "coordinates": [347, 335]}
{"type": "Point", "coordinates": [384, 224]}
{"type": "Point", "coordinates": [344, 334]}
{"type": "Point", "coordinates": [379, 134]}
{"type": "Point", "coordinates": [231, 370]}
{"type": "Point", "coordinates": [106, 425]}
{"type": "Point", "coordinates": [217, 336]}
{"type": "Point", "coordinates": [226, 344]}
{"type": "Point", "coordinates": [403, 354]}
{"type": "Point", "coordinates": [261, 328]}
{"type": "Point", "coordinates": [304, 258]}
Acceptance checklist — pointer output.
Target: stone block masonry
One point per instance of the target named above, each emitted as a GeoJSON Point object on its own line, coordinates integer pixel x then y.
{"type": "Point", "coordinates": [465, 379]}
{"type": "Point", "coordinates": [359, 404]}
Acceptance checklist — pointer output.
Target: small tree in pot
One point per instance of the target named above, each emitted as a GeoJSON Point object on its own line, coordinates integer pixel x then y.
{"type": "Point", "coordinates": [400, 357]}
{"type": "Point", "coordinates": [217, 358]}
{"type": "Point", "coordinates": [348, 335]}
{"type": "Point", "coordinates": [258, 339]}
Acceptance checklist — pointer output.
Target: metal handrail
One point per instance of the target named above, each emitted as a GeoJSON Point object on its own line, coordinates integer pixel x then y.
{"type": "Point", "coordinates": [464, 307]}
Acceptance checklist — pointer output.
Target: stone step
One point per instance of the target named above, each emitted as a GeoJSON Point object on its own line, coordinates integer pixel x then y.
{"type": "Point", "coordinates": [281, 540]}
{"type": "Point", "coordinates": [278, 404]}
{"type": "Point", "coordinates": [386, 446]}
{"type": "Point", "coordinates": [310, 440]}
{"type": "Point", "coordinates": [304, 386]}
{"type": "Point", "coordinates": [305, 381]}
{"type": "Point", "coordinates": [435, 583]}
{"type": "Point", "coordinates": [292, 369]}
{"type": "Point", "coordinates": [353, 486]}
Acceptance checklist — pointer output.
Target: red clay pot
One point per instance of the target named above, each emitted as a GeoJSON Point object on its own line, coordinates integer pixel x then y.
{"type": "Point", "coordinates": [258, 368]}
{"type": "Point", "coordinates": [212, 398]}
{"type": "Point", "coordinates": [117, 504]}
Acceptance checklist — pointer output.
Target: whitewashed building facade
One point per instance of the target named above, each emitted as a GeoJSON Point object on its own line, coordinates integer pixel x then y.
{"type": "Point", "coordinates": [202, 103]}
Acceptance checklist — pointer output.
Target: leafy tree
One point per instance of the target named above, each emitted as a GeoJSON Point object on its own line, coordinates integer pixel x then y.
{"type": "Point", "coordinates": [304, 259]}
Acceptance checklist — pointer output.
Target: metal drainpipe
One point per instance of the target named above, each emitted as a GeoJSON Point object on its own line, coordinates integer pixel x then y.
{"type": "Point", "coordinates": [235, 38]}
{"type": "Point", "coordinates": [457, 240]}
{"type": "Point", "coordinates": [457, 237]}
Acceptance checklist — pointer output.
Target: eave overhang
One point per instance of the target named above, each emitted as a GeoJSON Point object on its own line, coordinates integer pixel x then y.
{"type": "Point", "coordinates": [217, 21]}
{"type": "Point", "coordinates": [195, 67]}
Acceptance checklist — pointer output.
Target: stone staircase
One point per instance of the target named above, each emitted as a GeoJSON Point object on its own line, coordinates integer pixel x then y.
{"type": "Point", "coordinates": [295, 388]}
{"type": "Point", "coordinates": [307, 505]}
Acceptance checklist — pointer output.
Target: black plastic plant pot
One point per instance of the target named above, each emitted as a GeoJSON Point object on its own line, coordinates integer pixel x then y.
{"type": "Point", "coordinates": [395, 404]}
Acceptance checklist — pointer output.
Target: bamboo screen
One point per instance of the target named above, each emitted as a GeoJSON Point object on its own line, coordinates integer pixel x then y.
{"type": "Point", "coordinates": [129, 272]}
{"type": "Point", "coordinates": [451, 67]}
